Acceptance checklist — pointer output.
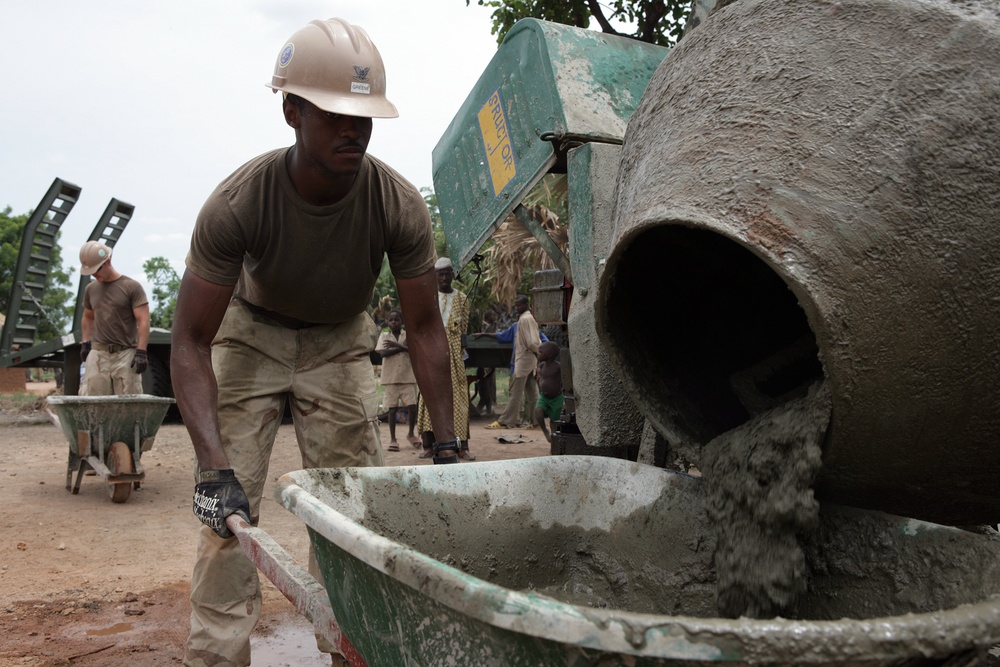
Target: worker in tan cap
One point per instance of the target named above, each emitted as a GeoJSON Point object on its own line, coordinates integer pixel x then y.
{"type": "Point", "coordinates": [114, 327]}
{"type": "Point", "coordinates": [272, 311]}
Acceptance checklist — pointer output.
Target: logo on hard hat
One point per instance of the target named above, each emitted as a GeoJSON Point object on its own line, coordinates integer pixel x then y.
{"type": "Point", "coordinates": [286, 55]}
{"type": "Point", "coordinates": [360, 84]}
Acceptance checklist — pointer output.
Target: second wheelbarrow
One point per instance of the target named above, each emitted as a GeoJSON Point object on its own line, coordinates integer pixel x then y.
{"type": "Point", "coordinates": [108, 434]}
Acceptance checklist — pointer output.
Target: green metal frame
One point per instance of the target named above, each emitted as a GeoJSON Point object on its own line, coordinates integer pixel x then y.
{"type": "Point", "coordinates": [17, 342]}
{"type": "Point", "coordinates": [549, 87]}
{"type": "Point", "coordinates": [34, 263]}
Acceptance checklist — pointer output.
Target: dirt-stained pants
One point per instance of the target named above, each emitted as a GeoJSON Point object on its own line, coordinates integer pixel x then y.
{"type": "Point", "coordinates": [110, 374]}
{"type": "Point", "coordinates": [326, 373]}
{"type": "Point", "coordinates": [520, 388]}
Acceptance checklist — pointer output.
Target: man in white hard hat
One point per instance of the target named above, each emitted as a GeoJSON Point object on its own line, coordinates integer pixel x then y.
{"type": "Point", "coordinates": [115, 327]}
{"type": "Point", "coordinates": [281, 269]}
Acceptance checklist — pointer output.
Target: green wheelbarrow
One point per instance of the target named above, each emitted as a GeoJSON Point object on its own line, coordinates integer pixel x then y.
{"type": "Point", "coordinates": [591, 561]}
{"type": "Point", "coordinates": [108, 434]}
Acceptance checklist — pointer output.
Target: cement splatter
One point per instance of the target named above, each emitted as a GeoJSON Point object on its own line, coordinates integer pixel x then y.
{"type": "Point", "coordinates": [759, 477]}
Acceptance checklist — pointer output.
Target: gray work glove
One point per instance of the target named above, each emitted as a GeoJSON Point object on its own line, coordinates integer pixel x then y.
{"type": "Point", "coordinates": [84, 350]}
{"type": "Point", "coordinates": [140, 361]}
{"type": "Point", "coordinates": [217, 495]}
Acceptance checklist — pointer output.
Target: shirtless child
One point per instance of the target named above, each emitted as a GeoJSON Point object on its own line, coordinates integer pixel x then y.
{"type": "Point", "coordinates": [550, 396]}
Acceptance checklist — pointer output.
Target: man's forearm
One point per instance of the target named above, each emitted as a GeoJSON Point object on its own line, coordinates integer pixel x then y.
{"type": "Point", "coordinates": [432, 369]}
{"type": "Point", "coordinates": [197, 400]}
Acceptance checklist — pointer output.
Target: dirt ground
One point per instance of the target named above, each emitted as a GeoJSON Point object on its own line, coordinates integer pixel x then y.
{"type": "Point", "coordinates": [87, 582]}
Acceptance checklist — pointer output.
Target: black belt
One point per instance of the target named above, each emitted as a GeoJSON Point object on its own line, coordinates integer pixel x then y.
{"type": "Point", "coordinates": [283, 320]}
{"type": "Point", "coordinates": [104, 347]}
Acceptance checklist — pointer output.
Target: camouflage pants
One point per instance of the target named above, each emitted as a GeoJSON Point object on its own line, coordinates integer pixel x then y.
{"type": "Point", "coordinates": [110, 374]}
{"type": "Point", "coordinates": [326, 374]}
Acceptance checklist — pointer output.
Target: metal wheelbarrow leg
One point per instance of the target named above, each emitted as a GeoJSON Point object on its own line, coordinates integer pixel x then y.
{"type": "Point", "coordinates": [295, 583]}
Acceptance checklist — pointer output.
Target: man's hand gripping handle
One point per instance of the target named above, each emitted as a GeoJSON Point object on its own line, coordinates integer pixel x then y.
{"type": "Point", "coordinates": [217, 495]}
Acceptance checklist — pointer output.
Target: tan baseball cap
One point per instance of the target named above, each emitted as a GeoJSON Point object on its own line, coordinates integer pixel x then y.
{"type": "Point", "coordinates": [93, 254]}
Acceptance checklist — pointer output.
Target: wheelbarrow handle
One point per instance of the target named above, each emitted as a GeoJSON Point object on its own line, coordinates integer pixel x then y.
{"type": "Point", "coordinates": [295, 583]}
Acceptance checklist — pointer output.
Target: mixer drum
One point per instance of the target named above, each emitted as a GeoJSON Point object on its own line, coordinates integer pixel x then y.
{"type": "Point", "coordinates": [811, 190]}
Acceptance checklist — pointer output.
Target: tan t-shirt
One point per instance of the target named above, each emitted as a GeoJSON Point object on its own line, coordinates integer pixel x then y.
{"type": "Point", "coordinates": [113, 303]}
{"type": "Point", "coordinates": [396, 368]}
{"type": "Point", "coordinates": [314, 263]}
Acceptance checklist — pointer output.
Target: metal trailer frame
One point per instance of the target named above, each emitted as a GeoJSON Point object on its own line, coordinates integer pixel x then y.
{"type": "Point", "coordinates": [18, 348]}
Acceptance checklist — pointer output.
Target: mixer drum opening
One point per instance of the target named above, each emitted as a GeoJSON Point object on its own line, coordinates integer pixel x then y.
{"type": "Point", "coordinates": [704, 329]}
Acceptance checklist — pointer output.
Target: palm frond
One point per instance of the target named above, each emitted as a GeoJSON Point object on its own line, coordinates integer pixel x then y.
{"type": "Point", "coordinates": [515, 249]}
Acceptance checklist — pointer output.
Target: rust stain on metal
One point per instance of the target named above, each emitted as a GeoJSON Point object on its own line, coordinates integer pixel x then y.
{"type": "Point", "coordinates": [765, 230]}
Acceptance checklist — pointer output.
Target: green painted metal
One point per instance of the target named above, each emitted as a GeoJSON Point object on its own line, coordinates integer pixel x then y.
{"type": "Point", "coordinates": [549, 87]}
{"type": "Point", "coordinates": [93, 424]}
{"type": "Point", "coordinates": [405, 585]}
{"type": "Point", "coordinates": [133, 419]}
{"type": "Point", "coordinates": [17, 342]}
{"type": "Point", "coordinates": [544, 240]}
{"type": "Point", "coordinates": [34, 263]}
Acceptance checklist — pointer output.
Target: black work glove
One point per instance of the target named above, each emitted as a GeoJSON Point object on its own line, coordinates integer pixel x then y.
{"type": "Point", "coordinates": [140, 361]}
{"type": "Point", "coordinates": [217, 495]}
{"type": "Point", "coordinates": [84, 350]}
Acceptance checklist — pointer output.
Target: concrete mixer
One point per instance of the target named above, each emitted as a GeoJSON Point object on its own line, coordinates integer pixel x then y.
{"type": "Point", "coordinates": [805, 191]}
{"type": "Point", "coordinates": [783, 257]}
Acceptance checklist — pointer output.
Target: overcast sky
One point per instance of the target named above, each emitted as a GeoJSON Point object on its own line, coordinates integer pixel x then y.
{"type": "Point", "coordinates": [154, 102]}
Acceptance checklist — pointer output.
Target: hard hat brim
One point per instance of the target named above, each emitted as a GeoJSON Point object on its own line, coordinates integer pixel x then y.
{"type": "Point", "coordinates": [348, 105]}
{"type": "Point", "coordinates": [89, 271]}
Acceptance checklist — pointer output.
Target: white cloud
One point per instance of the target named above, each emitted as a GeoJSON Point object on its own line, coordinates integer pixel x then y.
{"type": "Point", "coordinates": [155, 102]}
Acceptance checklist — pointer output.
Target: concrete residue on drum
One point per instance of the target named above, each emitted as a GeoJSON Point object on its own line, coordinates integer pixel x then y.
{"type": "Point", "coordinates": [759, 478]}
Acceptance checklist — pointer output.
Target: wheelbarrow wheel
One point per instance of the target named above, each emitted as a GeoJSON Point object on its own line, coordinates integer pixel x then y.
{"type": "Point", "coordinates": [119, 463]}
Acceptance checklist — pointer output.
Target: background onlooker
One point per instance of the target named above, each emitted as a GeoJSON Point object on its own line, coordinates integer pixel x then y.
{"type": "Point", "coordinates": [397, 377]}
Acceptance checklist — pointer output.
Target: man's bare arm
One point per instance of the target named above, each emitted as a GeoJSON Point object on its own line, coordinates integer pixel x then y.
{"type": "Point", "coordinates": [87, 325]}
{"type": "Point", "coordinates": [141, 314]}
{"type": "Point", "coordinates": [428, 348]}
{"type": "Point", "coordinates": [201, 305]}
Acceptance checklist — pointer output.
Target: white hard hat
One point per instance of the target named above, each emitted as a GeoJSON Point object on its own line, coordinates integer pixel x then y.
{"type": "Point", "coordinates": [334, 65]}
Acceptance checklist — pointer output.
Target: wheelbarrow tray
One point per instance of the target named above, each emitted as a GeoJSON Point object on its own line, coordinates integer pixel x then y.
{"type": "Point", "coordinates": [577, 560]}
{"type": "Point", "coordinates": [92, 424]}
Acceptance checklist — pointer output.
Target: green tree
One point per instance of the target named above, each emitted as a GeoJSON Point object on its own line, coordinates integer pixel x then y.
{"type": "Point", "coordinates": [166, 283]}
{"type": "Point", "coordinates": [468, 280]}
{"type": "Point", "coordinates": [655, 21]}
{"type": "Point", "coordinates": [56, 307]}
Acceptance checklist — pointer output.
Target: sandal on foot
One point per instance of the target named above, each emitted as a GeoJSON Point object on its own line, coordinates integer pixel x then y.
{"type": "Point", "coordinates": [495, 426]}
{"type": "Point", "coordinates": [426, 454]}
{"type": "Point", "coordinates": [415, 441]}
{"type": "Point", "coordinates": [394, 447]}
{"type": "Point", "coordinates": [466, 455]}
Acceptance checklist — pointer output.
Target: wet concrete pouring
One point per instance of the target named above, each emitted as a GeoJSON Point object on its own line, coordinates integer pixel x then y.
{"type": "Point", "coordinates": [748, 540]}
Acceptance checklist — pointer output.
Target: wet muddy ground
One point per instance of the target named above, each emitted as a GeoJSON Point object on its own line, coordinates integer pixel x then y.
{"type": "Point", "coordinates": [89, 583]}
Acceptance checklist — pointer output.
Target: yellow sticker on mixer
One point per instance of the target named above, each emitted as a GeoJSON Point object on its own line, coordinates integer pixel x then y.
{"type": "Point", "coordinates": [496, 140]}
